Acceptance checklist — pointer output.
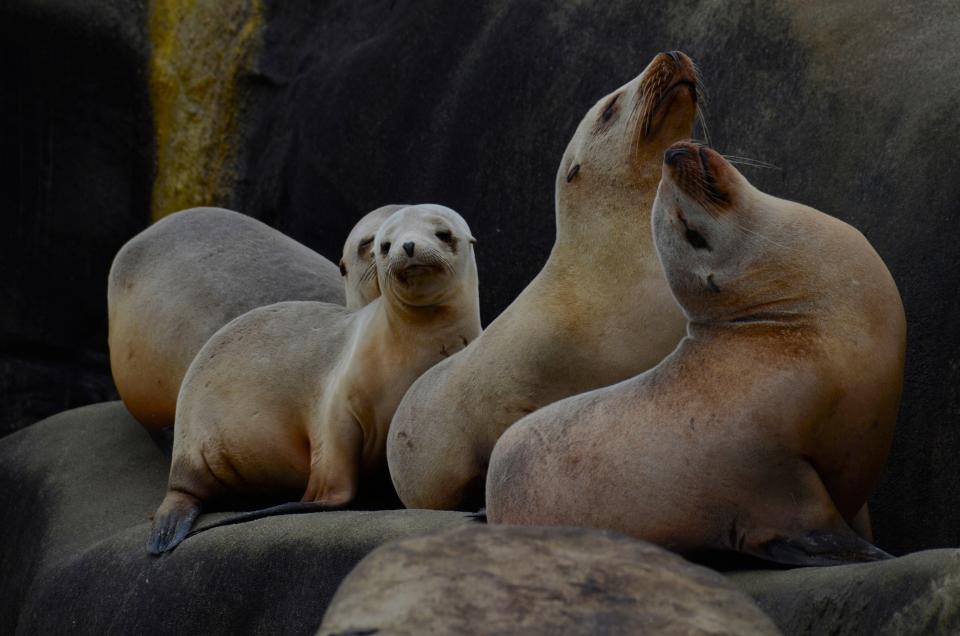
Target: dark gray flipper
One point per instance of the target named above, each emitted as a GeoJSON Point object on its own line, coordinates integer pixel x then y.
{"type": "Point", "coordinates": [823, 547]}
{"type": "Point", "coordinates": [172, 522]}
{"type": "Point", "coordinates": [480, 516]}
{"type": "Point", "coordinates": [289, 508]}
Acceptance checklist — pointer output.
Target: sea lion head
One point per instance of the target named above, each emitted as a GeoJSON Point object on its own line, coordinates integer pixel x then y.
{"type": "Point", "coordinates": [358, 266]}
{"type": "Point", "coordinates": [425, 256]}
{"type": "Point", "coordinates": [619, 142]}
{"type": "Point", "coordinates": [727, 248]}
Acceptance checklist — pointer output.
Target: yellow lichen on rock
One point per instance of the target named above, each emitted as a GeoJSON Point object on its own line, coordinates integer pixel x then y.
{"type": "Point", "coordinates": [199, 48]}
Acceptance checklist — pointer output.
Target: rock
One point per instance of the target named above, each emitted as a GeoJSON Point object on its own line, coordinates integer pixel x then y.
{"type": "Point", "coordinates": [914, 594]}
{"type": "Point", "coordinates": [76, 492]}
{"type": "Point", "coordinates": [530, 580]}
{"type": "Point", "coordinates": [76, 174]}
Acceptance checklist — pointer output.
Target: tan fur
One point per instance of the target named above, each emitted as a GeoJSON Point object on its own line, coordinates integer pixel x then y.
{"type": "Point", "coordinates": [598, 312]}
{"type": "Point", "coordinates": [300, 394]}
{"type": "Point", "coordinates": [174, 284]}
{"type": "Point", "coordinates": [772, 419]}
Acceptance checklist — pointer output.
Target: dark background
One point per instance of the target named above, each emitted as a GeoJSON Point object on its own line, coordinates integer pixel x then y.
{"type": "Point", "coordinates": [351, 105]}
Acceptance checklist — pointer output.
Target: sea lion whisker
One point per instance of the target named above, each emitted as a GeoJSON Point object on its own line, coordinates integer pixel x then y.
{"type": "Point", "coordinates": [369, 273]}
{"type": "Point", "coordinates": [750, 161]}
{"type": "Point", "coordinates": [702, 119]}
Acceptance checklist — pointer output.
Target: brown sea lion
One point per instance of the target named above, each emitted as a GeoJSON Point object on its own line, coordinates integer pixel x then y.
{"type": "Point", "coordinates": [599, 311]}
{"type": "Point", "coordinates": [174, 284]}
{"type": "Point", "coordinates": [766, 429]}
{"type": "Point", "coordinates": [299, 395]}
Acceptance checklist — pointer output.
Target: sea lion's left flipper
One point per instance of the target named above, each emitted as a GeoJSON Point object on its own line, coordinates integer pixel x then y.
{"type": "Point", "coordinates": [822, 547]}
{"type": "Point", "coordinates": [290, 508]}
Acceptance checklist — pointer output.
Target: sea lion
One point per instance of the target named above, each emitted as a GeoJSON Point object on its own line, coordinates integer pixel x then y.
{"type": "Point", "coordinates": [767, 428]}
{"type": "Point", "coordinates": [358, 266]}
{"type": "Point", "coordinates": [300, 394]}
{"type": "Point", "coordinates": [174, 284]}
{"type": "Point", "coordinates": [598, 312]}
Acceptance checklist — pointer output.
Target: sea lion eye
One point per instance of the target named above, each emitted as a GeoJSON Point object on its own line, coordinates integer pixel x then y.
{"type": "Point", "coordinates": [696, 239]}
{"type": "Point", "coordinates": [385, 247]}
{"type": "Point", "coordinates": [445, 235]}
{"type": "Point", "coordinates": [609, 110]}
{"type": "Point", "coordinates": [364, 244]}
{"type": "Point", "coordinates": [343, 269]}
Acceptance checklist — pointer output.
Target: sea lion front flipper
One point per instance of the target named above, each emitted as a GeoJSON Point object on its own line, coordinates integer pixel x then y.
{"type": "Point", "coordinates": [822, 547]}
{"type": "Point", "coordinates": [172, 521]}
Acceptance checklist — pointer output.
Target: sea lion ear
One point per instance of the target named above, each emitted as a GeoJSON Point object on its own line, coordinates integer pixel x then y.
{"type": "Point", "coordinates": [472, 240]}
{"type": "Point", "coordinates": [343, 268]}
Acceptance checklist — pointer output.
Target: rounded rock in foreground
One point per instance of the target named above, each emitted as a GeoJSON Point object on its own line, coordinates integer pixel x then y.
{"type": "Point", "coordinates": [533, 580]}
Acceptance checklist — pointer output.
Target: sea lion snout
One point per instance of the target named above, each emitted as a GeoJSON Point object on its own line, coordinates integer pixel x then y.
{"type": "Point", "coordinates": [700, 172]}
{"type": "Point", "coordinates": [673, 153]}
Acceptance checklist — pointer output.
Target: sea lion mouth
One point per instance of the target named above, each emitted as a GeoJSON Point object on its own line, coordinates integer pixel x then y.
{"type": "Point", "coordinates": [674, 75]}
{"type": "Point", "coordinates": [415, 271]}
{"type": "Point", "coordinates": [663, 103]}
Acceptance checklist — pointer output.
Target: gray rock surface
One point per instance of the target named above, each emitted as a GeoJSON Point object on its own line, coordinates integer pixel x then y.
{"type": "Point", "coordinates": [914, 594]}
{"type": "Point", "coordinates": [529, 580]}
{"type": "Point", "coordinates": [76, 491]}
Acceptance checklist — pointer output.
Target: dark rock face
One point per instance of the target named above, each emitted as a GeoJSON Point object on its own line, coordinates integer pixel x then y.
{"type": "Point", "coordinates": [915, 594]}
{"type": "Point", "coordinates": [76, 492]}
{"type": "Point", "coordinates": [529, 580]}
{"type": "Point", "coordinates": [76, 175]}
{"type": "Point", "coordinates": [352, 105]}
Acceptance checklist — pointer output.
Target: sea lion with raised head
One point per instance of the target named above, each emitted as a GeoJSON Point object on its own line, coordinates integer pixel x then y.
{"type": "Point", "coordinates": [598, 312]}
{"type": "Point", "coordinates": [767, 428]}
{"type": "Point", "coordinates": [178, 281]}
{"type": "Point", "coordinates": [299, 395]}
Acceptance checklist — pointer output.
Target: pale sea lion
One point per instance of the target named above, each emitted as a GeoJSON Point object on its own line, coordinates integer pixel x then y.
{"type": "Point", "coordinates": [300, 394]}
{"type": "Point", "coordinates": [767, 428]}
{"type": "Point", "coordinates": [174, 284]}
{"type": "Point", "coordinates": [599, 311]}
{"type": "Point", "coordinates": [358, 266]}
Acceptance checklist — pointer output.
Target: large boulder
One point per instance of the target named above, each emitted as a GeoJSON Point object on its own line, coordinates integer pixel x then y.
{"type": "Point", "coordinates": [76, 493]}
{"type": "Point", "coordinates": [77, 172]}
{"type": "Point", "coordinates": [914, 594]}
{"type": "Point", "coordinates": [530, 580]}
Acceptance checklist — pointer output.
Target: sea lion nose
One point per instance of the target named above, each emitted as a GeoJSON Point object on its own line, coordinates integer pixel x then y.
{"type": "Point", "coordinates": [408, 248]}
{"type": "Point", "coordinates": [675, 56]}
{"type": "Point", "coordinates": [672, 153]}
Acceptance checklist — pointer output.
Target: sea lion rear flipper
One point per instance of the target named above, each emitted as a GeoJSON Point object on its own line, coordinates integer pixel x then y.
{"type": "Point", "coordinates": [822, 547]}
{"type": "Point", "coordinates": [172, 521]}
{"type": "Point", "coordinates": [290, 508]}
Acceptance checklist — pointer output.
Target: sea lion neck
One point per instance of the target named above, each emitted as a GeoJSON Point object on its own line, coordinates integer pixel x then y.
{"type": "Point", "coordinates": [458, 310]}
{"type": "Point", "coordinates": [606, 231]}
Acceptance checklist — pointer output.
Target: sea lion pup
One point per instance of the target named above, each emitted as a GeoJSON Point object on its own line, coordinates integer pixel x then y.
{"type": "Point", "coordinates": [766, 429]}
{"type": "Point", "coordinates": [598, 312]}
{"type": "Point", "coordinates": [300, 394]}
{"type": "Point", "coordinates": [358, 266]}
{"type": "Point", "coordinates": [178, 281]}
